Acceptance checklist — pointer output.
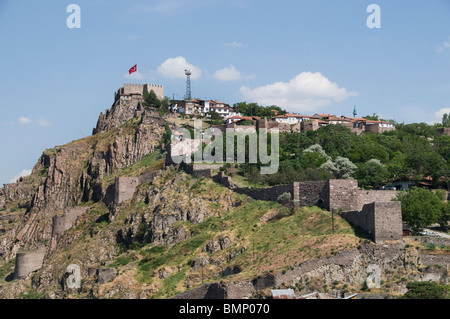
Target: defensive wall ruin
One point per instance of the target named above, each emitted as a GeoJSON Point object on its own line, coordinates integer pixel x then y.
{"type": "Point", "coordinates": [63, 223]}
{"type": "Point", "coordinates": [28, 262]}
{"type": "Point", "coordinates": [381, 220]}
{"type": "Point", "coordinates": [373, 210]}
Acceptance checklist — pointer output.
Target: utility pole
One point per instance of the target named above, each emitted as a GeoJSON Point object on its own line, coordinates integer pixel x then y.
{"type": "Point", "coordinates": [253, 253]}
{"type": "Point", "coordinates": [332, 219]}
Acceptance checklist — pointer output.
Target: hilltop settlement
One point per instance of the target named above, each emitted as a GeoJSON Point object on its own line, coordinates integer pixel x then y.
{"type": "Point", "coordinates": [358, 208]}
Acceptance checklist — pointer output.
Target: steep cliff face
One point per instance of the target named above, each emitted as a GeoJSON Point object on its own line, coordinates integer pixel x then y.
{"type": "Point", "coordinates": [71, 174]}
{"type": "Point", "coordinates": [117, 115]}
{"type": "Point", "coordinates": [172, 204]}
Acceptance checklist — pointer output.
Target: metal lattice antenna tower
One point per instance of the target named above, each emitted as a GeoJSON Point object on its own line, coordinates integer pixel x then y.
{"type": "Point", "coordinates": [188, 84]}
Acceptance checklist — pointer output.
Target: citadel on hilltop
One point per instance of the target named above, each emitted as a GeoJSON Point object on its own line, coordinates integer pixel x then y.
{"type": "Point", "coordinates": [133, 94]}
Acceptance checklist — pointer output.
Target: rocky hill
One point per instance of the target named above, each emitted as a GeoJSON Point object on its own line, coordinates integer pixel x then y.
{"type": "Point", "coordinates": [104, 217]}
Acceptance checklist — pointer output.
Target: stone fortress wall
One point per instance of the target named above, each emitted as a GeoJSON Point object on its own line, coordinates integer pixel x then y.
{"type": "Point", "coordinates": [28, 262]}
{"type": "Point", "coordinates": [381, 220]}
{"type": "Point", "coordinates": [373, 211]}
{"type": "Point", "coordinates": [129, 89]}
{"type": "Point", "coordinates": [63, 223]}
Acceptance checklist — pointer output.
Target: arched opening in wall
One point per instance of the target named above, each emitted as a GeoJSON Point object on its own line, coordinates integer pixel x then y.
{"type": "Point", "coordinates": [320, 203]}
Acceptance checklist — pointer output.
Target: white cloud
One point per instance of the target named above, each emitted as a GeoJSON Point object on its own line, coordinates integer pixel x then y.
{"type": "Point", "coordinates": [43, 122]}
{"type": "Point", "coordinates": [306, 92]}
{"type": "Point", "coordinates": [438, 115]}
{"type": "Point", "coordinates": [226, 74]}
{"type": "Point", "coordinates": [24, 120]}
{"type": "Point", "coordinates": [23, 173]}
{"type": "Point", "coordinates": [444, 46]}
{"type": "Point", "coordinates": [173, 68]}
{"type": "Point", "coordinates": [234, 44]}
{"type": "Point", "coordinates": [230, 73]}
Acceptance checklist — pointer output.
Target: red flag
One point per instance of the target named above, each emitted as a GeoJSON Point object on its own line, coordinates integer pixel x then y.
{"type": "Point", "coordinates": [133, 69]}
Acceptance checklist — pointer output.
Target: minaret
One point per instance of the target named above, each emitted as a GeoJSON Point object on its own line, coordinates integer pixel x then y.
{"type": "Point", "coordinates": [354, 111]}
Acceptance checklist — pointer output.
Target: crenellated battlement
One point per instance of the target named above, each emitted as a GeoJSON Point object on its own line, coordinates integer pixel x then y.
{"type": "Point", "coordinates": [129, 89]}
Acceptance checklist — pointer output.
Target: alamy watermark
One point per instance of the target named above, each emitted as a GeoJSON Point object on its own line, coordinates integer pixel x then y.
{"type": "Point", "coordinates": [374, 20]}
{"type": "Point", "coordinates": [74, 19]}
{"type": "Point", "coordinates": [207, 146]}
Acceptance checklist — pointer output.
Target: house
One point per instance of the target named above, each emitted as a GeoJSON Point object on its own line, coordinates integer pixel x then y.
{"type": "Point", "coordinates": [323, 116]}
{"type": "Point", "coordinates": [222, 108]}
{"type": "Point", "coordinates": [283, 294]}
{"type": "Point", "coordinates": [290, 118]}
{"type": "Point", "coordinates": [201, 107]}
{"type": "Point", "coordinates": [320, 295]}
{"type": "Point", "coordinates": [443, 131]}
{"type": "Point", "coordinates": [337, 120]}
{"type": "Point", "coordinates": [238, 119]}
{"type": "Point", "coordinates": [379, 126]}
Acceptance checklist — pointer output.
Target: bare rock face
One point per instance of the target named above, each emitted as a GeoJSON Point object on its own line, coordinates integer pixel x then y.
{"type": "Point", "coordinates": [218, 243]}
{"type": "Point", "coordinates": [106, 275]}
{"type": "Point", "coordinates": [68, 175]}
{"type": "Point", "coordinates": [16, 192]}
{"type": "Point", "coordinates": [117, 115]}
{"type": "Point", "coordinates": [2, 199]}
{"type": "Point", "coordinates": [170, 203]}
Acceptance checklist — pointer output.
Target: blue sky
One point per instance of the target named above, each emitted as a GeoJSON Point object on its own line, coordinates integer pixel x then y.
{"type": "Point", "coordinates": [306, 56]}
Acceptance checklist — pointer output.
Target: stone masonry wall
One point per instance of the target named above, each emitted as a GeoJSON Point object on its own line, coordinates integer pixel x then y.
{"type": "Point", "coordinates": [373, 210]}
{"type": "Point", "coordinates": [151, 117]}
{"type": "Point", "coordinates": [342, 194]}
{"type": "Point", "coordinates": [310, 193]}
{"type": "Point", "coordinates": [63, 223]}
{"type": "Point", "coordinates": [125, 188]}
{"type": "Point", "coordinates": [363, 219]}
{"type": "Point", "coordinates": [366, 197]}
{"type": "Point", "coordinates": [28, 262]}
{"type": "Point", "coordinates": [382, 220]}
{"type": "Point", "coordinates": [267, 194]}
{"type": "Point", "coordinates": [388, 221]}
{"type": "Point", "coordinates": [443, 131]}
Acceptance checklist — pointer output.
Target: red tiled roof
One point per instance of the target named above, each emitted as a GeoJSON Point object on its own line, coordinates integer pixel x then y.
{"type": "Point", "coordinates": [334, 118]}
{"type": "Point", "coordinates": [324, 115]}
{"type": "Point", "coordinates": [249, 118]}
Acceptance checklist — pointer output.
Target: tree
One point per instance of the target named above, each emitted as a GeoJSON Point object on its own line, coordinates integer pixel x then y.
{"type": "Point", "coordinates": [151, 100]}
{"type": "Point", "coordinates": [372, 173]}
{"type": "Point", "coordinates": [425, 290]}
{"type": "Point", "coordinates": [285, 199]}
{"type": "Point", "coordinates": [317, 149]}
{"type": "Point", "coordinates": [446, 119]}
{"type": "Point", "coordinates": [373, 117]}
{"type": "Point", "coordinates": [445, 217]}
{"type": "Point", "coordinates": [253, 109]}
{"type": "Point", "coordinates": [313, 156]}
{"type": "Point", "coordinates": [420, 208]}
{"type": "Point", "coordinates": [342, 168]}
{"type": "Point", "coordinates": [215, 117]}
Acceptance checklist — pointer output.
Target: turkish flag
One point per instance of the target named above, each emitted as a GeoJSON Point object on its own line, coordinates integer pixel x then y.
{"type": "Point", "coordinates": [133, 69]}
